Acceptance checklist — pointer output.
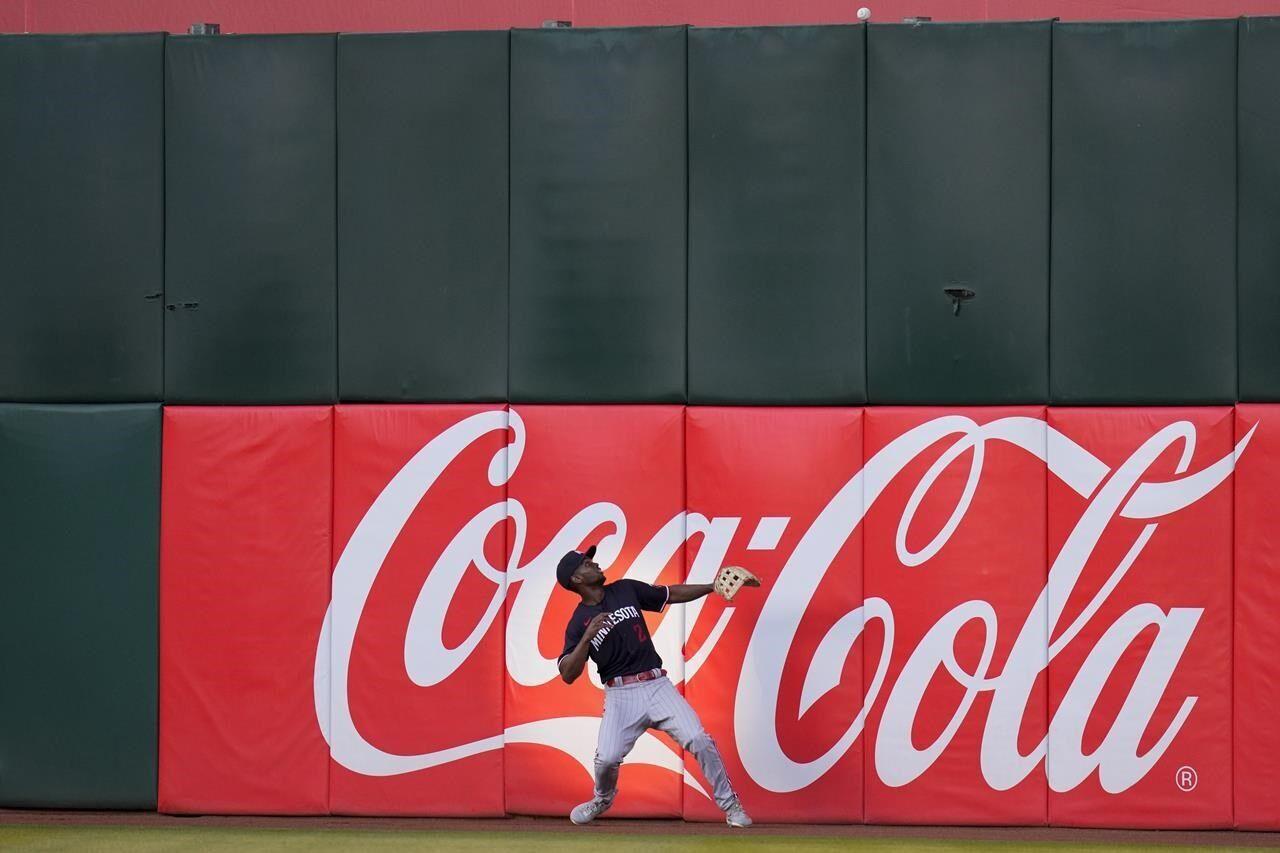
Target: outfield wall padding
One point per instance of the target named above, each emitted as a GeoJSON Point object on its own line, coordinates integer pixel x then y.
{"type": "Point", "coordinates": [776, 162]}
{"type": "Point", "coordinates": [613, 141]}
{"type": "Point", "coordinates": [422, 216]}
{"type": "Point", "coordinates": [1164, 628]}
{"type": "Point", "coordinates": [756, 515]}
{"type": "Point", "coordinates": [598, 215]}
{"type": "Point", "coordinates": [998, 616]}
{"type": "Point", "coordinates": [1259, 227]}
{"type": "Point", "coordinates": [1255, 664]}
{"type": "Point", "coordinates": [250, 266]}
{"type": "Point", "coordinates": [1142, 306]}
{"type": "Point", "coordinates": [379, 698]}
{"type": "Point", "coordinates": [958, 197]}
{"type": "Point", "coordinates": [79, 528]}
{"type": "Point", "coordinates": [997, 554]}
{"type": "Point", "coordinates": [81, 217]}
{"type": "Point", "coordinates": [515, 208]}
{"type": "Point", "coordinates": [244, 583]}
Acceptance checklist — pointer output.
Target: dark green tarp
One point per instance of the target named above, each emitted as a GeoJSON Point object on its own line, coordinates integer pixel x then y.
{"type": "Point", "coordinates": [1142, 290]}
{"type": "Point", "coordinates": [249, 242]}
{"type": "Point", "coordinates": [776, 168]}
{"type": "Point", "coordinates": [422, 216]}
{"type": "Point", "coordinates": [598, 203]}
{"type": "Point", "coordinates": [958, 198]}
{"type": "Point", "coordinates": [81, 217]}
{"type": "Point", "coordinates": [1259, 184]}
{"type": "Point", "coordinates": [79, 531]}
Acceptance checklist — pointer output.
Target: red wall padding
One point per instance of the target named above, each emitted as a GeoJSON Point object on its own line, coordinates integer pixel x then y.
{"type": "Point", "coordinates": [244, 583]}
{"type": "Point", "coordinates": [612, 475]}
{"type": "Point", "coordinates": [765, 475]}
{"type": "Point", "coordinates": [1178, 585]}
{"type": "Point", "coordinates": [1257, 620]}
{"type": "Point", "coordinates": [435, 675]}
{"type": "Point", "coordinates": [955, 543]}
{"type": "Point", "coordinates": [409, 478]}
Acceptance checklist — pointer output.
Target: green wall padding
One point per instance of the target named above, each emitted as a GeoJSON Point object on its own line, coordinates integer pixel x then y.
{"type": "Point", "coordinates": [1259, 235]}
{"type": "Point", "coordinates": [598, 215]}
{"type": "Point", "coordinates": [958, 197]}
{"type": "Point", "coordinates": [81, 217]}
{"type": "Point", "coordinates": [422, 216]}
{"type": "Point", "coordinates": [776, 179]}
{"type": "Point", "coordinates": [79, 531]}
{"type": "Point", "coordinates": [250, 218]}
{"type": "Point", "coordinates": [1142, 291]}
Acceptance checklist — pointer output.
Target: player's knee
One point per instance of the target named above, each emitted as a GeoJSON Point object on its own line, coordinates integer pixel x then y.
{"type": "Point", "coordinates": [608, 758]}
{"type": "Point", "coordinates": [699, 742]}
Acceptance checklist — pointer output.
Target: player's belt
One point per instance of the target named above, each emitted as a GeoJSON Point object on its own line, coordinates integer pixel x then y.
{"type": "Point", "coordinates": [635, 679]}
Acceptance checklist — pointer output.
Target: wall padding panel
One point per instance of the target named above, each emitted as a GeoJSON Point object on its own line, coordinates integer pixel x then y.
{"type": "Point", "coordinates": [422, 216]}
{"type": "Point", "coordinates": [249, 219]}
{"type": "Point", "coordinates": [1259, 227]}
{"type": "Point", "coordinates": [1140, 617]}
{"type": "Point", "coordinates": [776, 178]}
{"type": "Point", "coordinates": [758, 480]}
{"type": "Point", "coordinates": [934, 549]}
{"type": "Point", "coordinates": [244, 584]}
{"type": "Point", "coordinates": [1142, 306]}
{"type": "Point", "coordinates": [598, 213]}
{"type": "Point", "coordinates": [1256, 666]}
{"type": "Point", "coordinates": [79, 528]}
{"type": "Point", "coordinates": [417, 673]}
{"type": "Point", "coordinates": [958, 197]}
{"type": "Point", "coordinates": [81, 217]}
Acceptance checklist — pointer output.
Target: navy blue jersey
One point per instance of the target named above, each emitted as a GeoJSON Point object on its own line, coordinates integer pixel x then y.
{"type": "Point", "coordinates": [622, 645]}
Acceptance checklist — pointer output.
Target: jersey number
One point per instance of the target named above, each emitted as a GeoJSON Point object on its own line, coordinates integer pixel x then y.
{"type": "Point", "coordinates": [640, 635]}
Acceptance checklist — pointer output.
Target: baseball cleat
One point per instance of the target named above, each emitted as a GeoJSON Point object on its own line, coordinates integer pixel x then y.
{"type": "Point", "coordinates": [735, 815]}
{"type": "Point", "coordinates": [592, 809]}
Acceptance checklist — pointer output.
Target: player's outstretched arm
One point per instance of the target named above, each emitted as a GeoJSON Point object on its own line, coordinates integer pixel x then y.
{"type": "Point", "coordinates": [683, 592]}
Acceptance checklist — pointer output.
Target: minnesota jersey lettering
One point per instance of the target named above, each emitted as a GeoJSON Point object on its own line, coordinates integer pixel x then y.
{"type": "Point", "coordinates": [621, 645]}
{"type": "Point", "coordinates": [617, 617]}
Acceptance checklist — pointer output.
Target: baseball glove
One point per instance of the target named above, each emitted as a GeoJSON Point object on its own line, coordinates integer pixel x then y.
{"type": "Point", "coordinates": [730, 579]}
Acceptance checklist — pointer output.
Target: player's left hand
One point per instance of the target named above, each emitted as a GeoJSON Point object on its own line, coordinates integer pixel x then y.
{"type": "Point", "coordinates": [730, 579]}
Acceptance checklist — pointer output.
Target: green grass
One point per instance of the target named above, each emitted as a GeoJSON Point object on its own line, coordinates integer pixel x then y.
{"type": "Point", "coordinates": [145, 839]}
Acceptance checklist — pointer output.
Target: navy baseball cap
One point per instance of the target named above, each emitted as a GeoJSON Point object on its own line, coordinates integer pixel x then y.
{"type": "Point", "coordinates": [569, 564]}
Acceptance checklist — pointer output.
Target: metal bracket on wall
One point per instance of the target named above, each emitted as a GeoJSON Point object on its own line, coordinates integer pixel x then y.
{"type": "Point", "coordinates": [958, 296]}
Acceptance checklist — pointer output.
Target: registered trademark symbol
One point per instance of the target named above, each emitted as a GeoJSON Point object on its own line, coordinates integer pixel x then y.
{"type": "Point", "coordinates": [1186, 778]}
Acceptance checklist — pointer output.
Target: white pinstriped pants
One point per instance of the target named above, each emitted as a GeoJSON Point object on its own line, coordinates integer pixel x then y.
{"type": "Point", "coordinates": [630, 710]}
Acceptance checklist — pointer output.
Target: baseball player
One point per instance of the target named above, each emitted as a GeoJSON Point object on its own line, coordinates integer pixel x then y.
{"type": "Point", "coordinates": [608, 628]}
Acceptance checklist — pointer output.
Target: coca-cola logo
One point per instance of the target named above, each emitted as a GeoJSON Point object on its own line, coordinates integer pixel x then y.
{"type": "Point", "coordinates": [1124, 491]}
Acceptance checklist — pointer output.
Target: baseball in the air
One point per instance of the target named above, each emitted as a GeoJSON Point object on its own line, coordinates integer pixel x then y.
{"type": "Point", "coordinates": [864, 13]}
